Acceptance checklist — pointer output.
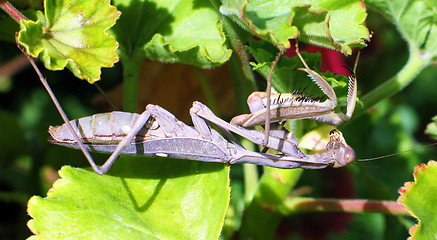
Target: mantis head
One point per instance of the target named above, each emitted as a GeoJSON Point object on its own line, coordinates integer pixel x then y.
{"type": "Point", "coordinates": [342, 153]}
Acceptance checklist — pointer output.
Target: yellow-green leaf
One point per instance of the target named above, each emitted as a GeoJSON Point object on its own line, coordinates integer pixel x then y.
{"type": "Point", "coordinates": [139, 198]}
{"type": "Point", "coordinates": [73, 34]}
{"type": "Point", "coordinates": [420, 198]}
{"type": "Point", "coordinates": [331, 23]}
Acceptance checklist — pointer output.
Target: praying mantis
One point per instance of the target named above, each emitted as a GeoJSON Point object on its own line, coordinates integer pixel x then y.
{"type": "Point", "coordinates": [157, 132]}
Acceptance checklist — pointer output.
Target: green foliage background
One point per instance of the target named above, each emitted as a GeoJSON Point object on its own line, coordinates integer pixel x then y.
{"type": "Point", "coordinates": [29, 164]}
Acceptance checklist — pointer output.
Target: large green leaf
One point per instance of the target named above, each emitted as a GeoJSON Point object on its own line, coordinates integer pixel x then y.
{"type": "Point", "coordinates": [330, 24]}
{"type": "Point", "coordinates": [72, 34]}
{"type": "Point", "coordinates": [420, 198]}
{"type": "Point", "coordinates": [182, 31]}
{"type": "Point", "coordinates": [151, 198]}
{"type": "Point", "coordinates": [415, 19]}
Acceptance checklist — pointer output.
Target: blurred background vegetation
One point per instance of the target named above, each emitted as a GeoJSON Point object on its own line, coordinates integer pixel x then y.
{"type": "Point", "coordinates": [28, 164]}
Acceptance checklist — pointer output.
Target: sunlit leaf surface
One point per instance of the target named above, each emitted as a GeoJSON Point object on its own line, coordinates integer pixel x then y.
{"type": "Point", "coordinates": [420, 198]}
{"type": "Point", "coordinates": [138, 199]}
{"type": "Point", "coordinates": [72, 34]}
{"type": "Point", "coordinates": [330, 24]}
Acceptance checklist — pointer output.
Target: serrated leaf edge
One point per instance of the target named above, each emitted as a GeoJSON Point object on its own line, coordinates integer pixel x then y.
{"type": "Point", "coordinates": [42, 52]}
{"type": "Point", "coordinates": [417, 170]}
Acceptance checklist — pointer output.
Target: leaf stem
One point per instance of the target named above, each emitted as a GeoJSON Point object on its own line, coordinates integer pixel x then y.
{"type": "Point", "coordinates": [13, 66]}
{"type": "Point", "coordinates": [208, 94]}
{"type": "Point", "coordinates": [244, 84]}
{"type": "Point", "coordinates": [415, 64]}
{"type": "Point", "coordinates": [131, 73]}
{"type": "Point", "coordinates": [242, 77]}
{"type": "Point", "coordinates": [12, 11]}
{"type": "Point", "coordinates": [260, 219]}
{"type": "Point", "coordinates": [241, 71]}
{"type": "Point", "coordinates": [303, 204]}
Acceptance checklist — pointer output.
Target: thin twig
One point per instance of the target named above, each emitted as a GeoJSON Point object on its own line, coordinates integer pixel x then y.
{"type": "Point", "coordinates": [302, 204]}
{"type": "Point", "coordinates": [12, 11]}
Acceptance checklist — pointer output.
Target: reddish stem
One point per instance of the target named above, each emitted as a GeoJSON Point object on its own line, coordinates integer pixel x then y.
{"type": "Point", "coordinates": [13, 66]}
{"type": "Point", "coordinates": [12, 11]}
{"type": "Point", "coordinates": [300, 204]}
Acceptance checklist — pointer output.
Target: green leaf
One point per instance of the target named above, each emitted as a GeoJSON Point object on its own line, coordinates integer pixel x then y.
{"type": "Point", "coordinates": [72, 34]}
{"type": "Point", "coordinates": [416, 20]}
{"type": "Point", "coordinates": [420, 198]}
{"type": "Point", "coordinates": [172, 31]}
{"type": "Point", "coordinates": [431, 128]}
{"type": "Point", "coordinates": [330, 24]}
{"type": "Point", "coordinates": [139, 198]}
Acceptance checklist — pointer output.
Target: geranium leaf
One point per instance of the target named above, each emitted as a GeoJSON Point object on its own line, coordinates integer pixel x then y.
{"type": "Point", "coordinates": [415, 20]}
{"type": "Point", "coordinates": [151, 198]}
{"type": "Point", "coordinates": [420, 198]}
{"type": "Point", "coordinates": [172, 31]}
{"type": "Point", "coordinates": [73, 34]}
{"type": "Point", "coordinates": [330, 24]}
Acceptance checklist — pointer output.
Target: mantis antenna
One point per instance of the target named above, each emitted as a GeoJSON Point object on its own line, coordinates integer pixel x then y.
{"type": "Point", "coordinates": [394, 154]}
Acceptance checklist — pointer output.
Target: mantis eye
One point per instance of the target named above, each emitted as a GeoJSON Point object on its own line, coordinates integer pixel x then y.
{"type": "Point", "coordinates": [346, 156]}
{"type": "Point", "coordinates": [349, 155]}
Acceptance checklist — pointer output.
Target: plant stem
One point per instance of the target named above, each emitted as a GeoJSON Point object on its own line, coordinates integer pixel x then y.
{"type": "Point", "coordinates": [12, 11]}
{"type": "Point", "coordinates": [241, 71]}
{"type": "Point", "coordinates": [131, 73]}
{"type": "Point", "coordinates": [302, 204]}
{"type": "Point", "coordinates": [415, 64]}
{"type": "Point", "coordinates": [13, 66]}
{"type": "Point", "coordinates": [208, 94]}
{"type": "Point", "coordinates": [251, 176]}
{"type": "Point", "coordinates": [260, 219]}
{"type": "Point", "coordinates": [250, 182]}
{"type": "Point", "coordinates": [242, 77]}
{"type": "Point", "coordinates": [244, 84]}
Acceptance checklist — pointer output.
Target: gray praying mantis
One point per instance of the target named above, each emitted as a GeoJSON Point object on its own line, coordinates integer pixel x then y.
{"type": "Point", "coordinates": [157, 132]}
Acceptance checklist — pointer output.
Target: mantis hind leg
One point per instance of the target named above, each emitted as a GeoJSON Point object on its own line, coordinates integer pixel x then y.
{"type": "Point", "coordinates": [139, 124]}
